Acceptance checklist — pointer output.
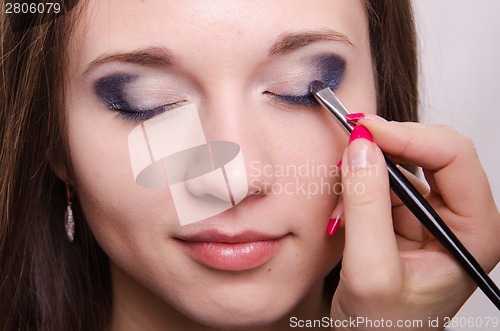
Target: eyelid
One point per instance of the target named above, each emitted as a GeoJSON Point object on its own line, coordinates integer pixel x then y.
{"type": "Point", "coordinates": [336, 65]}
{"type": "Point", "coordinates": [332, 71]}
{"type": "Point", "coordinates": [114, 92]}
{"type": "Point", "coordinates": [145, 114]}
{"type": "Point", "coordinates": [293, 87]}
{"type": "Point", "coordinates": [109, 90]}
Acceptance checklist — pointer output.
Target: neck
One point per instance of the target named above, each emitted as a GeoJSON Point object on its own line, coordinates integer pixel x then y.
{"type": "Point", "coordinates": [137, 308]}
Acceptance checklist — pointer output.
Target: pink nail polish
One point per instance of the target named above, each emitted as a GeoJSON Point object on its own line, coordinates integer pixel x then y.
{"type": "Point", "coordinates": [339, 164]}
{"type": "Point", "coordinates": [360, 131]}
{"type": "Point", "coordinates": [333, 226]}
{"type": "Point", "coordinates": [354, 117]}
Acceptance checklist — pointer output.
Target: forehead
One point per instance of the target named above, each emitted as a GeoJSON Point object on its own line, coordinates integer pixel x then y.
{"type": "Point", "coordinates": [242, 29]}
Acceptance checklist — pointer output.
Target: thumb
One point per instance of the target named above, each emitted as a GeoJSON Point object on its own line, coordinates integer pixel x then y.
{"type": "Point", "coordinates": [371, 258]}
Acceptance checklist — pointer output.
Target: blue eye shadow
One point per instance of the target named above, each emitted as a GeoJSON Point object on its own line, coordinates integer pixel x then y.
{"type": "Point", "coordinates": [110, 90]}
{"type": "Point", "coordinates": [330, 70]}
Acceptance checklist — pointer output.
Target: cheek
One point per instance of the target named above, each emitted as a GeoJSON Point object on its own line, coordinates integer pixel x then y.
{"type": "Point", "coordinates": [113, 204]}
{"type": "Point", "coordinates": [100, 160]}
{"type": "Point", "coordinates": [305, 148]}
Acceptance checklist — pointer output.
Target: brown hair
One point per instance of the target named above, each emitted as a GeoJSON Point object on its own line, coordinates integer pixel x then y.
{"type": "Point", "coordinates": [46, 283]}
{"type": "Point", "coordinates": [393, 43]}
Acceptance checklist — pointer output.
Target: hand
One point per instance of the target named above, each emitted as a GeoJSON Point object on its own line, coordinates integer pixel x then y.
{"type": "Point", "coordinates": [392, 268]}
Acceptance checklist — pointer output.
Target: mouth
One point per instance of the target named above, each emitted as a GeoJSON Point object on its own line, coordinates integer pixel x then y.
{"type": "Point", "coordinates": [239, 252]}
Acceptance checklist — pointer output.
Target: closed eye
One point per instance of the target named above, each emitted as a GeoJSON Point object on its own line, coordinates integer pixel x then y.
{"type": "Point", "coordinates": [302, 100]}
{"type": "Point", "coordinates": [111, 91]}
{"type": "Point", "coordinates": [331, 71]}
{"type": "Point", "coordinates": [139, 115]}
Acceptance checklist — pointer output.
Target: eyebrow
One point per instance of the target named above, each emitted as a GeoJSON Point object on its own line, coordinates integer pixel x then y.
{"type": "Point", "coordinates": [162, 57]}
{"type": "Point", "coordinates": [153, 57]}
{"type": "Point", "coordinates": [291, 41]}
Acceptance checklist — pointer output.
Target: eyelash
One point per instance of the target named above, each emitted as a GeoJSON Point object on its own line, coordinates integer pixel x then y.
{"type": "Point", "coordinates": [300, 100]}
{"type": "Point", "coordinates": [139, 115]}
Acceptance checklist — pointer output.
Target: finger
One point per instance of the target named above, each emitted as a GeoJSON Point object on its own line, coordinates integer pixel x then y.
{"type": "Point", "coordinates": [405, 223]}
{"type": "Point", "coordinates": [449, 160]}
{"type": "Point", "coordinates": [371, 256]}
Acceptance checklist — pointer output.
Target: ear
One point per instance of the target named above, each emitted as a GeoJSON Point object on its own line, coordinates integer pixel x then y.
{"type": "Point", "coordinates": [59, 165]}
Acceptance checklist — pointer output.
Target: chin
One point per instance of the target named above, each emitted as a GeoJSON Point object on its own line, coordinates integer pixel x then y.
{"type": "Point", "coordinates": [240, 308]}
{"type": "Point", "coordinates": [243, 319]}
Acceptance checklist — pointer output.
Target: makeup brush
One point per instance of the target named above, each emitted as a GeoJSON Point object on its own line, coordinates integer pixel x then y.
{"type": "Point", "coordinates": [415, 202]}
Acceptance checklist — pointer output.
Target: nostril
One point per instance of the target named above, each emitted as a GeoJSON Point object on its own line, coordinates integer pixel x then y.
{"type": "Point", "coordinates": [256, 192]}
{"type": "Point", "coordinates": [210, 185]}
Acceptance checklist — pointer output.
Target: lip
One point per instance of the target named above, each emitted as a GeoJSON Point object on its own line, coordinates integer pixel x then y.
{"type": "Point", "coordinates": [237, 252]}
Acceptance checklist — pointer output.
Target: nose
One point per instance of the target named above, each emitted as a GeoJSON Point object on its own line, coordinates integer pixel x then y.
{"type": "Point", "coordinates": [205, 164]}
{"type": "Point", "coordinates": [236, 150]}
{"type": "Point", "coordinates": [215, 170]}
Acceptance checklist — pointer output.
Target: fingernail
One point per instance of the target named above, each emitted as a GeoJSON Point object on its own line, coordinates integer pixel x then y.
{"type": "Point", "coordinates": [354, 117]}
{"type": "Point", "coordinates": [360, 151]}
{"type": "Point", "coordinates": [333, 226]}
{"type": "Point", "coordinates": [360, 132]}
{"type": "Point", "coordinates": [339, 164]}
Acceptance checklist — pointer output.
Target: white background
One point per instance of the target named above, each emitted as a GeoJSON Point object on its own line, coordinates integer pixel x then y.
{"type": "Point", "coordinates": [460, 86]}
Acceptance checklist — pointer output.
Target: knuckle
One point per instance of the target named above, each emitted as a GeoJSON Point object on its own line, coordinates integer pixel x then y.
{"type": "Point", "coordinates": [466, 143]}
{"type": "Point", "coordinates": [461, 139]}
{"type": "Point", "coordinates": [446, 129]}
{"type": "Point", "coordinates": [410, 138]}
{"type": "Point", "coordinates": [364, 187]}
{"type": "Point", "coordinates": [460, 142]}
{"type": "Point", "coordinates": [362, 198]}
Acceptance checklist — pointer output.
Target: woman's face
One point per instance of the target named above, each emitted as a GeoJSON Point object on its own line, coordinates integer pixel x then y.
{"type": "Point", "coordinates": [245, 66]}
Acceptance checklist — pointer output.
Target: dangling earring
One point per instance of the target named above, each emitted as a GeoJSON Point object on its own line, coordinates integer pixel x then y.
{"type": "Point", "coordinates": [69, 222]}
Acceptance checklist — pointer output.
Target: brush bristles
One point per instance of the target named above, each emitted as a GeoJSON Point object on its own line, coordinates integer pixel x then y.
{"type": "Point", "coordinates": [315, 86]}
